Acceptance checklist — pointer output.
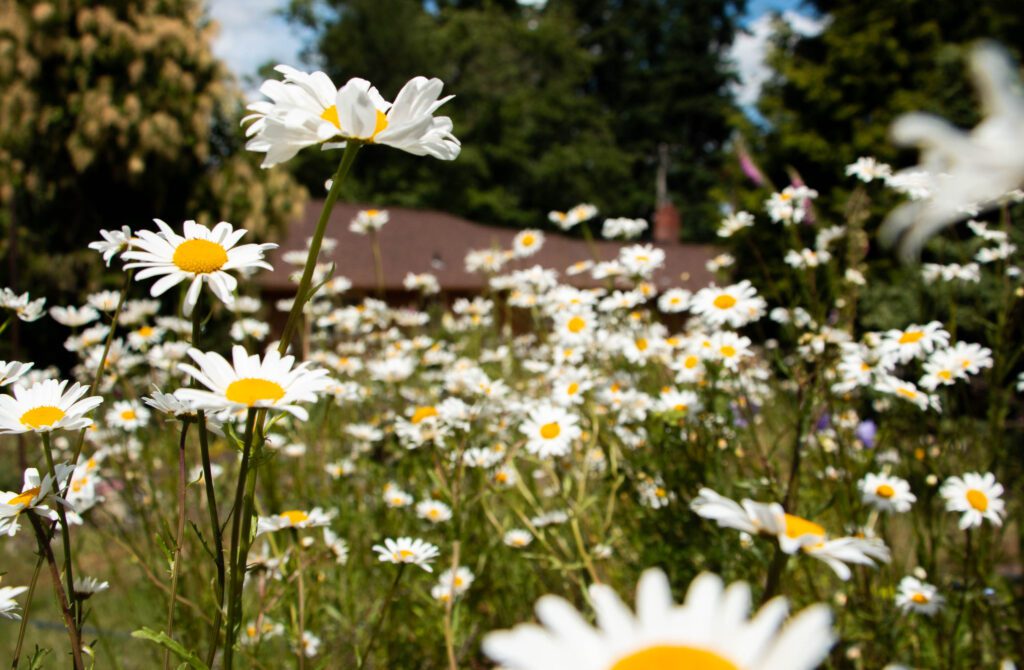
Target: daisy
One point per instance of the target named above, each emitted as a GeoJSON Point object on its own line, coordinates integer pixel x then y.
{"type": "Point", "coordinates": [452, 584]}
{"type": "Point", "coordinates": [34, 490]}
{"type": "Point", "coordinates": [307, 109]}
{"type": "Point", "coordinates": [683, 402]}
{"type": "Point", "coordinates": [734, 223]}
{"type": "Point", "coordinates": [433, 511]}
{"type": "Point", "coordinates": [407, 550]}
{"type": "Point", "coordinates": [367, 220]}
{"type": "Point", "coordinates": [907, 391]}
{"type": "Point", "coordinates": [625, 228]}
{"type": "Point", "coordinates": [791, 205]}
{"type": "Point", "coordinates": [978, 496]}
{"type": "Point", "coordinates": [886, 493]}
{"type": "Point", "coordinates": [517, 538]}
{"type": "Point", "coordinates": [425, 283]}
{"type": "Point", "coordinates": [917, 596]}
{"type": "Point", "coordinates": [8, 606]}
{"type": "Point", "coordinates": [74, 317]}
{"type": "Point", "coordinates": [87, 587]}
{"type": "Point", "coordinates": [641, 259]}
{"type": "Point", "coordinates": [201, 255]}
{"type": "Point", "coordinates": [248, 382]}
{"type": "Point", "coordinates": [527, 243]}
{"type": "Point", "coordinates": [12, 371]}
{"type": "Point", "coordinates": [735, 305]}
{"type": "Point", "coordinates": [23, 307]}
{"type": "Point", "coordinates": [127, 415]}
{"type": "Point", "coordinates": [294, 518]}
{"type": "Point", "coordinates": [254, 328]}
{"type": "Point", "coordinates": [550, 431]}
{"type": "Point", "coordinates": [914, 341]}
{"type": "Point", "coordinates": [575, 216]}
{"type": "Point", "coordinates": [575, 326]}
{"type": "Point", "coordinates": [113, 243]}
{"type": "Point", "coordinates": [709, 630]}
{"type": "Point", "coordinates": [729, 348]}
{"type": "Point", "coordinates": [45, 407]}
{"type": "Point", "coordinates": [104, 301]}
{"type": "Point", "coordinates": [867, 169]}
{"type": "Point", "coordinates": [396, 498]}
{"type": "Point", "coordinates": [144, 337]}
{"type": "Point", "coordinates": [336, 545]}
{"type": "Point", "coordinates": [674, 300]}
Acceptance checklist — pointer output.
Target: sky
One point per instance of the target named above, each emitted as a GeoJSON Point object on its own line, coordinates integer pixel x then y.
{"type": "Point", "coordinates": [252, 33]}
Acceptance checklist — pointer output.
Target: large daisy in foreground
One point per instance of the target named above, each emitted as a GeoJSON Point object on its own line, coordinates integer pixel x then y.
{"type": "Point", "coordinates": [710, 631]}
{"type": "Point", "coordinates": [248, 381]}
{"type": "Point", "coordinates": [201, 255]}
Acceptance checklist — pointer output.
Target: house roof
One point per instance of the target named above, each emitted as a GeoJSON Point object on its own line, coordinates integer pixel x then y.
{"type": "Point", "coordinates": [416, 240]}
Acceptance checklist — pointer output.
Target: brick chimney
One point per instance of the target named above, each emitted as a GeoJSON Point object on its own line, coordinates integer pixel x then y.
{"type": "Point", "coordinates": [666, 224]}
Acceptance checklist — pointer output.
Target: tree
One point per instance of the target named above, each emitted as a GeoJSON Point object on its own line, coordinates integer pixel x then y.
{"type": "Point", "coordinates": [112, 114]}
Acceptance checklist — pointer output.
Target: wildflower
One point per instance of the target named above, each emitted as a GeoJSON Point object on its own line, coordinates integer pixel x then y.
{"type": "Point", "coordinates": [867, 169]}
{"type": "Point", "coordinates": [720, 262]}
{"type": "Point", "coordinates": [74, 317]}
{"type": "Point", "coordinates": [45, 407]}
{"type": "Point", "coordinates": [250, 328]}
{"type": "Point", "coordinates": [914, 341]}
{"type": "Point", "coordinates": [907, 391]}
{"type": "Point", "coordinates": [886, 493]}
{"type": "Point", "coordinates": [200, 256]}
{"type": "Point", "coordinates": [86, 587]}
{"type": "Point", "coordinates": [433, 511]}
{"type": "Point", "coordinates": [575, 216]}
{"type": "Point", "coordinates": [336, 545]}
{"type": "Point", "coordinates": [367, 220]}
{"type": "Point", "coordinates": [734, 223]}
{"type": "Point", "coordinates": [674, 300]}
{"type": "Point", "coordinates": [294, 518]}
{"type": "Point", "coordinates": [641, 259]}
{"type": "Point", "coordinates": [709, 630]}
{"type": "Point", "coordinates": [913, 595]}
{"type": "Point", "coordinates": [735, 305]}
{"type": "Point", "coordinates": [307, 109]}
{"type": "Point", "coordinates": [104, 301]}
{"type": "Point", "coordinates": [31, 498]}
{"type": "Point", "coordinates": [527, 243]}
{"type": "Point", "coordinates": [627, 229]}
{"type": "Point", "coordinates": [128, 415]}
{"type": "Point", "coordinates": [425, 283]}
{"type": "Point", "coordinates": [517, 538]}
{"type": "Point", "coordinates": [681, 402]}
{"type": "Point", "coordinates": [806, 258]}
{"type": "Point", "coordinates": [23, 306]}
{"type": "Point", "coordinates": [407, 550]}
{"type": "Point", "coordinates": [12, 371]}
{"type": "Point", "coordinates": [8, 606]}
{"type": "Point", "coordinates": [978, 496]}
{"type": "Point", "coordinates": [308, 644]}
{"type": "Point", "coordinates": [978, 167]}
{"type": "Point", "coordinates": [248, 381]}
{"type": "Point", "coordinates": [396, 498]}
{"type": "Point", "coordinates": [113, 243]}
{"type": "Point", "coordinates": [550, 431]}
{"type": "Point", "coordinates": [452, 584]}
{"type": "Point", "coordinates": [791, 205]}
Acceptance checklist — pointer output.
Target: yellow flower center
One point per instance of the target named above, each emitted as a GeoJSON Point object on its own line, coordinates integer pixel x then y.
{"type": "Point", "coordinates": [673, 657]}
{"type": "Point", "coordinates": [944, 374]}
{"type": "Point", "coordinates": [39, 417]}
{"type": "Point", "coordinates": [573, 388]}
{"type": "Point", "coordinates": [680, 407]}
{"type": "Point", "coordinates": [785, 197]}
{"type": "Point", "coordinates": [724, 301]}
{"type": "Point", "coordinates": [527, 240]}
{"type": "Point", "coordinates": [434, 513]}
{"type": "Point", "coordinates": [919, 598]}
{"type": "Point", "coordinates": [798, 527]}
{"type": "Point", "coordinates": [24, 499]}
{"type": "Point", "coordinates": [728, 351]}
{"type": "Point", "coordinates": [128, 415]}
{"type": "Point", "coordinates": [78, 484]}
{"type": "Point", "coordinates": [145, 331]}
{"type": "Point", "coordinates": [885, 491]}
{"type": "Point", "coordinates": [372, 212]}
{"type": "Point", "coordinates": [911, 336]}
{"type": "Point", "coordinates": [422, 413]}
{"type": "Point", "coordinates": [641, 344]}
{"type": "Point", "coordinates": [330, 115]}
{"type": "Point", "coordinates": [251, 390]}
{"type": "Point", "coordinates": [977, 500]}
{"type": "Point", "coordinates": [403, 554]}
{"type": "Point", "coordinates": [907, 393]}
{"type": "Point", "coordinates": [576, 324]}
{"type": "Point", "coordinates": [550, 431]}
{"type": "Point", "coordinates": [199, 256]}
{"type": "Point", "coordinates": [691, 362]}
{"type": "Point", "coordinates": [294, 516]}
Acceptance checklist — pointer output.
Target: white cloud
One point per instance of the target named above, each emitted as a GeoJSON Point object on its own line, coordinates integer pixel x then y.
{"type": "Point", "coordinates": [251, 33]}
{"type": "Point", "coordinates": [749, 51]}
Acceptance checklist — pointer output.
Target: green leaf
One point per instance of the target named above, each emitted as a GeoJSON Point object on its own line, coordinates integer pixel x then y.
{"type": "Point", "coordinates": [160, 638]}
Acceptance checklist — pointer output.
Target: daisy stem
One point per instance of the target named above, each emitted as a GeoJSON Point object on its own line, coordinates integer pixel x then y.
{"type": "Point", "coordinates": [449, 607]}
{"type": "Point", "coordinates": [380, 617]}
{"type": "Point", "coordinates": [69, 622]}
{"type": "Point", "coordinates": [179, 538]}
{"type": "Point", "coordinates": [65, 533]}
{"type": "Point", "coordinates": [218, 540]}
{"type": "Point", "coordinates": [378, 263]}
{"type": "Point", "coordinates": [301, 297]}
{"type": "Point", "coordinates": [239, 523]}
{"type": "Point", "coordinates": [25, 615]}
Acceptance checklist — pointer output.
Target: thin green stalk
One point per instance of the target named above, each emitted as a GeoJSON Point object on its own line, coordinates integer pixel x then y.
{"type": "Point", "coordinates": [380, 617]}
{"type": "Point", "coordinates": [42, 537]}
{"type": "Point", "coordinates": [235, 584]}
{"type": "Point", "coordinates": [378, 262]}
{"type": "Point", "coordinates": [65, 532]}
{"type": "Point", "coordinates": [178, 540]}
{"type": "Point", "coordinates": [301, 296]}
{"type": "Point", "coordinates": [26, 612]}
{"type": "Point", "coordinates": [218, 540]}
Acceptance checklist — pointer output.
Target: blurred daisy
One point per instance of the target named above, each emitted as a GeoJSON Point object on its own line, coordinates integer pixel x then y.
{"type": "Point", "coordinates": [735, 305]}
{"type": "Point", "coordinates": [31, 498]}
{"type": "Point", "coordinates": [8, 606]}
{"type": "Point", "coordinates": [199, 256]}
{"type": "Point", "coordinates": [550, 431]}
{"type": "Point", "coordinates": [113, 243]}
{"type": "Point", "coordinates": [623, 228]}
{"type": "Point", "coordinates": [294, 518]}
{"type": "Point", "coordinates": [127, 415]}
{"type": "Point", "coordinates": [273, 382]}
{"type": "Point", "coordinates": [45, 407]}
{"type": "Point", "coordinates": [886, 493]}
{"type": "Point", "coordinates": [709, 630]}
{"type": "Point", "coordinates": [12, 371]}
{"type": "Point", "coordinates": [452, 584]}
{"type": "Point", "coordinates": [674, 300]}
{"type": "Point", "coordinates": [517, 538]}
{"type": "Point", "coordinates": [868, 169]}
{"type": "Point", "coordinates": [307, 109]}
{"type": "Point", "coordinates": [914, 341]}
{"type": "Point", "coordinates": [433, 511]}
{"type": "Point", "coordinates": [734, 223]}
{"type": "Point", "coordinates": [407, 550]}
{"type": "Point", "coordinates": [574, 217]}
{"type": "Point", "coordinates": [527, 243]}
{"type": "Point", "coordinates": [74, 317]}
{"type": "Point", "coordinates": [641, 259]}
{"type": "Point", "coordinates": [336, 545]}
{"type": "Point", "coordinates": [367, 220]}
{"type": "Point", "coordinates": [913, 595]}
{"type": "Point", "coordinates": [978, 496]}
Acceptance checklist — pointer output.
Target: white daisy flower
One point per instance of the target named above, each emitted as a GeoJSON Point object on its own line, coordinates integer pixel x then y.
{"type": "Point", "coordinates": [575, 216]}
{"type": "Point", "coordinates": [452, 584]}
{"type": "Point", "coordinates": [127, 415]}
{"type": "Point", "coordinates": [627, 229]}
{"type": "Point", "coordinates": [24, 308]}
{"type": "Point", "coordinates": [735, 305]}
{"type": "Point", "coordinates": [550, 431]}
{"type": "Point", "coordinates": [914, 341]}
{"type": "Point", "coordinates": [367, 220]}
{"type": "Point", "coordinates": [886, 493]}
{"type": "Point", "coordinates": [273, 382]}
{"type": "Point", "coordinates": [709, 630]}
{"type": "Point", "coordinates": [307, 109]}
{"type": "Point", "coordinates": [913, 595]}
{"type": "Point", "coordinates": [868, 169]}
{"type": "Point", "coordinates": [294, 518]}
{"type": "Point", "coordinates": [433, 511]}
{"type": "Point", "coordinates": [74, 317]}
{"type": "Point", "coordinates": [407, 550]}
{"type": "Point", "coordinates": [907, 391]}
{"type": "Point", "coordinates": [683, 402]}
{"type": "Point", "coordinates": [674, 300]}
{"type": "Point", "coordinates": [200, 256]}
{"type": "Point", "coordinates": [734, 223]}
{"type": "Point", "coordinates": [641, 259]}
{"type": "Point", "coordinates": [8, 606]}
{"type": "Point", "coordinates": [527, 243]}
{"type": "Point", "coordinates": [517, 538]}
{"type": "Point", "coordinates": [978, 496]}
{"type": "Point", "coordinates": [45, 407]}
{"type": "Point", "coordinates": [113, 243]}
{"type": "Point", "coordinates": [31, 498]}
{"type": "Point", "coordinates": [12, 371]}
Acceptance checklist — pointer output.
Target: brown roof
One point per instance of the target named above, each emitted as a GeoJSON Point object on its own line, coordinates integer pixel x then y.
{"type": "Point", "coordinates": [417, 240]}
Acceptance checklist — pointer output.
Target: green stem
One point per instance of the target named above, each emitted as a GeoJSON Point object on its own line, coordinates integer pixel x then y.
{"type": "Point", "coordinates": [301, 296]}
{"type": "Point", "coordinates": [42, 536]}
{"type": "Point", "coordinates": [380, 617]}
{"type": "Point", "coordinates": [65, 532]}
{"type": "Point", "coordinates": [236, 557]}
{"type": "Point", "coordinates": [178, 540]}
{"type": "Point", "coordinates": [27, 611]}
{"type": "Point", "coordinates": [218, 539]}
{"type": "Point", "coordinates": [378, 263]}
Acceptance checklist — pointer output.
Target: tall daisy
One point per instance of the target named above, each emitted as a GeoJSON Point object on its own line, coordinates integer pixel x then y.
{"type": "Point", "coordinates": [46, 406]}
{"type": "Point", "coordinates": [978, 496]}
{"type": "Point", "coordinates": [709, 630]}
{"type": "Point", "coordinates": [307, 109]}
{"type": "Point", "coordinates": [200, 256]}
{"type": "Point", "coordinates": [273, 382]}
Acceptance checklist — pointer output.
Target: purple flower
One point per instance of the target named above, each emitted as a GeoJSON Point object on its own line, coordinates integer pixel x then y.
{"type": "Point", "coordinates": [865, 432]}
